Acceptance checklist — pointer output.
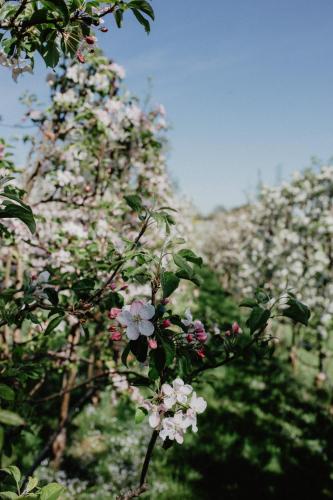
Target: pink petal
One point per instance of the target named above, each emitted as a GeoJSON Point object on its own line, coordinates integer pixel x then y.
{"type": "Point", "coordinates": [136, 307]}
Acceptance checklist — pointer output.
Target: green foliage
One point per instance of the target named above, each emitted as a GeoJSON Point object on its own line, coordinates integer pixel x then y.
{"type": "Point", "coordinates": [62, 27]}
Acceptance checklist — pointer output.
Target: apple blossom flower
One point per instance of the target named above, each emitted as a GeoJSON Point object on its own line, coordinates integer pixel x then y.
{"type": "Point", "coordinates": [177, 393]}
{"type": "Point", "coordinates": [136, 319]}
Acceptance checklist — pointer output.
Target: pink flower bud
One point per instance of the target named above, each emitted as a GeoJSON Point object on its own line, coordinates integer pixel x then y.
{"type": "Point", "coordinates": [104, 29]}
{"type": "Point", "coordinates": [165, 301]}
{"type": "Point", "coordinates": [116, 336]}
{"type": "Point", "coordinates": [124, 287]}
{"type": "Point", "coordinates": [166, 323]}
{"type": "Point", "coordinates": [201, 353]}
{"type": "Point", "coordinates": [152, 343]}
{"type": "Point", "coordinates": [80, 57]}
{"type": "Point", "coordinates": [189, 338]}
{"type": "Point", "coordinates": [90, 39]}
{"type": "Point", "coordinates": [114, 312]}
{"type": "Point", "coordinates": [236, 328]}
{"type": "Point", "coordinates": [201, 336]}
{"type": "Point", "coordinates": [113, 286]}
{"type": "Point", "coordinates": [228, 333]}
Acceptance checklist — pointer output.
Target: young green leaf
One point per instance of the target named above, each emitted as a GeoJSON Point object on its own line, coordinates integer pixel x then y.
{"type": "Point", "coordinates": [169, 282]}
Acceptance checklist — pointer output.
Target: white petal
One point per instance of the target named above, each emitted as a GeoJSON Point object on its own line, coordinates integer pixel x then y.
{"type": "Point", "coordinates": [186, 389]}
{"type": "Point", "coordinates": [167, 389]}
{"type": "Point", "coordinates": [179, 437]}
{"type": "Point", "coordinates": [163, 434]}
{"type": "Point", "coordinates": [198, 404]}
{"type": "Point", "coordinates": [177, 383]}
{"type": "Point", "coordinates": [179, 418]}
{"type": "Point", "coordinates": [125, 318]}
{"type": "Point", "coordinates": [147, 311]}
{"type": "Point", "coordinates": [132, 332]}
{"type": "Point", "coordinates": [201, 405]}
{"type": "Point", "coordinates": [169, 402]}
{"type": "Point", "coordinates": [181, 398]}
{"type": "Point", "coordinates": [146, 327]}
{"type": "Point", "coordinates": [136, 307]}
{"type": "Point", "coordinates": [154, 420]}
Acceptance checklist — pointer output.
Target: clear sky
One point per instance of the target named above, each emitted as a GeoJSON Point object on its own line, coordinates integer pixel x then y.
{"type": "Point", "coordinates": [247, 84]}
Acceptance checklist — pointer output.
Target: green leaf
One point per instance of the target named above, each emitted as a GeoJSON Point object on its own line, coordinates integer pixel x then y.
{"type": "Point", "coordinates": [8, 495]}
{"type": "Point", "coordinates": [258, 318]}
{"type": "Point", "coordinates": [262, 296]}
{"type": "Point", "coordinates": [125, 354]}
{"type": "Point", "coordinates": [23, 213]}
{"type": "Point", "coordinates": [83, 288]}
{"type": "Point", "coordinates": [170, 283]}
{"type": "Point", "coordinates": [139, 348]}
{"type": "Point", "coordinates": [118, 15]}
{"type": "Point", "coordinates": [51, 55]}
{"type": "Point", "coordinates": [51, 491]}
{"type": "Point", "coordinates": [190, 256]}
{"type": "Point", "coordinates": [6, 392]}
{"type": "Point", "coordinates": [169, 350]}
{"type": "Point", "coordinates": [53, 324]}
{"type": "Point", "coordinates": [157, 362]}
{"type": "Point", "coordinates": [2, 437]}
{"type": "Point", "coordinates": [248, 303]}
{"type": "Point", "coordinates": [58, 5]}
{"type": "Point", "coordinates": [10, 418]}
{"type": "Point", "coordinates": [142, 20]}
{"type": "Point", "coordinates": [144, 6]}
{"type": "Point", "coordinates": [195, 278]}
{"type": "Point", "coordinates": [134, 201]}
{"type": "Point", "coordinates": [52, 295]}
{"type": "Point", "coordinates": [297, 311]}
{"type": "Point", "coordinates": [40, 16]}
{"type": "Point", "coordinates": [32, 483]}
{"type": "Point", "coordinates": [182, 264]}
{"type": "Point", "coordinates": [13, 471]}
{"type": "Point", "coordinates": [140, 415]}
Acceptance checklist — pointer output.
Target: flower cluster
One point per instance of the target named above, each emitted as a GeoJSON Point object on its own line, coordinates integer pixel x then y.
{"type": "Point", "coordinates": [174, 410]}
{"type": "Point", "coordinates": [196, 330]}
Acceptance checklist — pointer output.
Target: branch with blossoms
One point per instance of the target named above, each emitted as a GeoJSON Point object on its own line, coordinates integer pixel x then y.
{"type": "Point", "coordinates": [58, 27]}
{"type": "Point", "coordinates": [174, 351]}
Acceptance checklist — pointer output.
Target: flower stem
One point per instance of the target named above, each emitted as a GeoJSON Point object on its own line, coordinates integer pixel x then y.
{"type": "Point", "coordinates": [148, 456]}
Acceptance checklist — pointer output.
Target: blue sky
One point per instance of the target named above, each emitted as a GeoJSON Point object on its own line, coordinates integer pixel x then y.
{"type": "Point", "coordinates": [247, 84]}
